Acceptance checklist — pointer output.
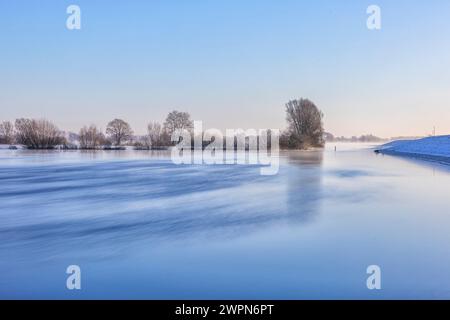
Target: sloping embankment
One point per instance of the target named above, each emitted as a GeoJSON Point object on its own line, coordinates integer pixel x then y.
{"type": "Point", "coordinates": [431, 148]}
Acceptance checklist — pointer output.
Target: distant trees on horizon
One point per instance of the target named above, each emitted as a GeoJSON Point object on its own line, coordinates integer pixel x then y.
{"type": "Point", "coordinates": [178, 121]}
{"type": "Point", "coordinates": [119, 131]}
{"type": "Point", "coordinates": [43, 134]}
{"type": "Point", "coordinates": [38, 134]}
{"type": "Point", "coordinates": [305, 129]}
{"type": "Point", "coordinates": [363, 138]}
{"type": "Point", "coordinates": [158, 135]}
{"type": "Point", "coordinates": [91, 138]}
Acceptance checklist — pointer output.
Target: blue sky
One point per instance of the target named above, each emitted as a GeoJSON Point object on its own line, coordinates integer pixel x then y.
{"type": "Point", "coordinates": [229, 63]}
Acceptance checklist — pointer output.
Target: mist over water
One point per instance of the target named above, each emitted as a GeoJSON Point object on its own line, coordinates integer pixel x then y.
{"type": "Point", "coordinates": [140, 226]}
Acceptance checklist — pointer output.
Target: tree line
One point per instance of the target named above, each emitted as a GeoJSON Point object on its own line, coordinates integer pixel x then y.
{"type": "Point", "coordinates": [43, 134]}
{"type": "Point", "coordinates": [305, 129]}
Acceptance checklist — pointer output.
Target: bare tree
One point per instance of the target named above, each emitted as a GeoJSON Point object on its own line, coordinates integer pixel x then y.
{"type": "Point", "coordinates": [142, 143]}
{"type": "Point", "coordinates": [177, 120]}
{"type": "Point", "coordinates": [6, 132]}
{"type": "Point", "coordinates": [305, 124]}
{"type": "Point", "coordinates": [157, 135]}
{"type": "Point", "coordinates": [91, 137]}
{"type": "Point", "coordinates": [38, 134]}
{"type": "Point", "coordinates": [119, 132]}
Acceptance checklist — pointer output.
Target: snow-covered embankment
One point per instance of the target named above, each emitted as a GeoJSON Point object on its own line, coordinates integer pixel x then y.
{"type": "Point", "coordinates": [431, 148]}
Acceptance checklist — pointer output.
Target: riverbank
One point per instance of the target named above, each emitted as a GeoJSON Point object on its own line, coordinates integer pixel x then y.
{"type": "Point", "coordinates": [430, 149]}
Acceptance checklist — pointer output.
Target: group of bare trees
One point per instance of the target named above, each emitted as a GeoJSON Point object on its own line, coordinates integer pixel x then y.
{"type": "Point", "coordinates": [304, 119]}
{"type": "Point", "coordinates": [159, 136]}
{"type": "Point", "coordinates": [34, 134]}
{"type": "Point", "coordinates": [119, 132]}
{"type": "Point", "coordinates": [42, 134]}
{"type": "Point", "coordinates": [38, 134]}
{"type": "Point", "coordinates": [91, 138]}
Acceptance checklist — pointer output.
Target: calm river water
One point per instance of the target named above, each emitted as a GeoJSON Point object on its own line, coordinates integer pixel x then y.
{"type": "Point", "coordinates": [141, 227]}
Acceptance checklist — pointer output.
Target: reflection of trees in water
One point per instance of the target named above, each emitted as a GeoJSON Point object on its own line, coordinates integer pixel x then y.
{"type": "Point", "coordinates": [304, 185]}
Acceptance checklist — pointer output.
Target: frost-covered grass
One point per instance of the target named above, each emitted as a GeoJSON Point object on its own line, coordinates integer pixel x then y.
{"type": "Point", "coordinates": [431, 148]}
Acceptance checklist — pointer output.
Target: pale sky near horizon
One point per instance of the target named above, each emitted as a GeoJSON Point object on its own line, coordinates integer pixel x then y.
{"type": "Point", "coordinates": [229, 63]}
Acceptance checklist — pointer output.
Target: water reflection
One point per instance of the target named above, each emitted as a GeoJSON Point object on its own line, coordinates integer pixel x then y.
{"type": "Point", "coordinates": [304, 185]}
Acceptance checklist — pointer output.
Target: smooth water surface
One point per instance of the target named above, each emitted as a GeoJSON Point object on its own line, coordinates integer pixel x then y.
{"type": "Point", "coordinates": [142, 227]}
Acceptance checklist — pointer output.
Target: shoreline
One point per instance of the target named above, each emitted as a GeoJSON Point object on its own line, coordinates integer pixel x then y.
{"type": "Point", "coordinates": [432, 149]}
{"type": "Point", "coordinates": [417, 156]}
